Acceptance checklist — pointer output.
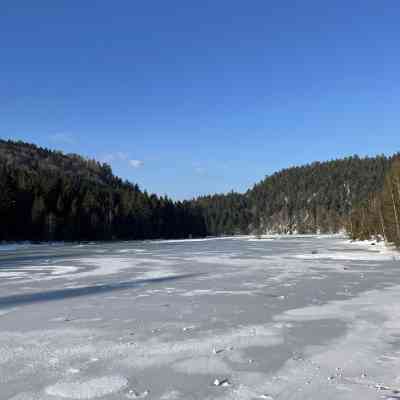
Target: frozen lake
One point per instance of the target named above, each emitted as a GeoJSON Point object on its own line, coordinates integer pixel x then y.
{"type": "Point", "coordinates": [238, 318]}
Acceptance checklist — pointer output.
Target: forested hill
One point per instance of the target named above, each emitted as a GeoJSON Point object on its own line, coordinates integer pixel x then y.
{"type": "Point", "coordinates": [378, 216]}
{"type": "Point", "coordinates": [312, 198]}
{"type": "Point", "coordinates": [46, 195]}
{"type": "Point", "coordinates": [318, 196]}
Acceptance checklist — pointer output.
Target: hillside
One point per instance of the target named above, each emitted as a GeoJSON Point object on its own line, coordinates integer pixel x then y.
{"type": "Point", "coordinates": [33, 159]}
{"type": "Point", "coordinates": [316, 197]}
{"type": "Point", "coordinates": [46, 195]}
{"type": "Point", "coordinates": [378, 215]}
{"type": "Point", "coordinates": [312, 198]}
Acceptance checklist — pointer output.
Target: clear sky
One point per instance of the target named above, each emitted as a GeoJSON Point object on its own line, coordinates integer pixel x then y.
{"type": "Point", "coordinates": [191, 97]}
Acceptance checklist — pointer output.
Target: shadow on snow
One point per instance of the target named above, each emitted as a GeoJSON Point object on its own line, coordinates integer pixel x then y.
{"type": "Point", "coordinates": [60, 294]}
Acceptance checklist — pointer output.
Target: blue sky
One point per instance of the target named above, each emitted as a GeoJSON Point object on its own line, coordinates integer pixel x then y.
{"type": "Point", "coordinates": [194, 97]}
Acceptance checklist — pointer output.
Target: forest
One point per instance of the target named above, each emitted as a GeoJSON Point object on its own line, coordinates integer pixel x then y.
{"type": "Point", "coordinates": [378, 215]}
{"type": "Point", "coordinates": [48, 195]}
{"type": "Point", "coordinates": [313, 198]}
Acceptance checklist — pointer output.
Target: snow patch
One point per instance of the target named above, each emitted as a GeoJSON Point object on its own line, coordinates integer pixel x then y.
{"type": "Point", "coordinates": [202, 365]}
{"type": "Point", "coordinates": [172, 395]}
{"type": "Point", "coordinates": [5, 312]}
{"type": "Point", "coordinates": [93, 388]}
{"type": "Point", "coordinates": [350, 256]}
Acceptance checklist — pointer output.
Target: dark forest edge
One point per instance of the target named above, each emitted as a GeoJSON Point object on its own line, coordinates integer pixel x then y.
{"type": "Point", "coordinates": [378, 216]}
{"type": "Point", "coordinates": [47, 195]}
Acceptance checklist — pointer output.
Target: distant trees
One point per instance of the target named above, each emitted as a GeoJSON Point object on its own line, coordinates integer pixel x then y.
{"type": "Point", "coordinates": [46, 195]}
{"type": "Point", "coordinates": [379, 215]}
{"type": "Point", "coordinates": [313, 198]}
{"type": "Point", "coordinates": [225, 214]}
{"type": "Point", "coordinates": [316, 197]}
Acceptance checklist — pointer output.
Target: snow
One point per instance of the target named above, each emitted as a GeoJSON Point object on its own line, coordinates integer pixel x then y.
{"type": "Point", "coordinates": [354, 256]}
{"type": "Point", "coordinates": [202, 365]}
{"type": "Point", "coordinates": [261, 239]}
{"type": "Point", "coordinates": [90, 389]}
{"type": "Point", "coordinates": [172, 395]}
{"type": "Point", "coordinates": [304, 317]}
{"type": "Point", "coordinates": [87, 267]}
{"type": "Point", "coordinates": [14, 246]}
{"type": "Point", "coordinates": [183, 241]}
{"type": "Point", "coordinates": [5, 247]}
{"type": "Point", "coordinates": [41, 272]}
{"type": "Point", "coordinates": [345, 360]}
{"type": "Point", "coordinates": [5, 312]}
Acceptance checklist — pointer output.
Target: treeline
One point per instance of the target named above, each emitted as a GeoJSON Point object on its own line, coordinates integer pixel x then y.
{"type": "Point", "coordinates": [318, 197]}
{"type": "Point", "coordinates": [225, 214]}
{"type": "Point", "coordinates": [378, 216]}
{"type": "Point", "coordinates": [46, 195]}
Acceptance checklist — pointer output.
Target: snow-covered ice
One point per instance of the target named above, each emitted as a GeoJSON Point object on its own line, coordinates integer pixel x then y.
{"type": "Point", "coordinates": [89, 389]}
{"type": "Point", "coordinates": [299, 317]}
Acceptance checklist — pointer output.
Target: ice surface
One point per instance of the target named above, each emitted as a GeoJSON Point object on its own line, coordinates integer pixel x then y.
{"type": "Point", "coordinates": [90, 389]}
{"type": "Point", "coordinates": [300, 317]}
